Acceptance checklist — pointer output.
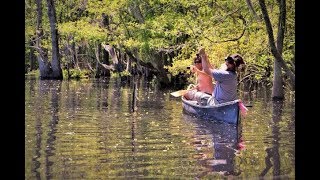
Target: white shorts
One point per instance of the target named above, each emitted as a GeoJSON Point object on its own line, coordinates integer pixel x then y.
{"type": "Point", "coordinates": [201, 97]}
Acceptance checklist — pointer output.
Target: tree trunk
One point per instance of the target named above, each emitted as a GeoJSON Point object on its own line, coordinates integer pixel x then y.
{"type": "Point", "coordinates": [277, 90]}
{"type": "Point", "coordinates": [105, 21]}
{"type": "Point", "coordinates": [105, 54]}
{"type": "Point", "coordinates": [55, 63]}
{"type": "Point", "coordinates": [113, 56]}
{"type": "Point", "coordinates": [158, 63]}
{"type": "Point", "coordinates": [128, 68]}
{"type": "Point", "coordinates": [74, 54]}
{"type": "Point", "coordinates": [138, 66]}
{"type": "Point", "coordinates": [32, 56]}
{"type": "Point", "coordinates": [44, 65]}
{"type": "Point", "coordinates": [105, 60]}
{"type": "Point", "coordinates": [274, 50]}
{"type": "Point", "coordinates": [42, 57]}
{"type": "Point", "coordinates": [39, 30]}
{"type": "Point", "coordinates": [98, 69]}
{"type": "Point", "coordinates": [118, 66]}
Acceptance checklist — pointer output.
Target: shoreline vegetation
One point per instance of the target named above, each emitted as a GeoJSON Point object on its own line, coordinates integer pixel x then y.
{"type": "Point", "coordinates": [158, 40]}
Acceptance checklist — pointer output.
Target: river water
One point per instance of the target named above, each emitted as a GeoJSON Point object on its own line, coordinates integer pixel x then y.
{"type": "Point", "coordinates": [93, 129]}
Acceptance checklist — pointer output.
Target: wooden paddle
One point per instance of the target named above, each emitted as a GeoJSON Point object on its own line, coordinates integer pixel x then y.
{"type": "Point", "coordinates": [179, 93]}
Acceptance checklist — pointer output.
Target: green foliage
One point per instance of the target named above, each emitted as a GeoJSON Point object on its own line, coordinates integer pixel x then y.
{"type": "Point", "coordinates": [179, 66]}
{"type": "Point", "coordinates": [121, 74]}
{"type": "Point", "coordinates": [82, 29]}
{"type": "Point", "coordinates": [115, 74]}
{"type": "Point", "coordinates": [125, 73]}
{"type": "Point", "coordinates": [76, 73]}
{"type": "Point", "coordinates": [175, 28]}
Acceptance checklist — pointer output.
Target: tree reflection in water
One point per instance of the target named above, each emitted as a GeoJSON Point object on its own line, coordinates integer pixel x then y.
{"type": "Point", "coordinates": [87, 130]}
{"type": "Point", "coordinates": [273, 151]}
{"type": "Point", "coordinates": [45, 86]}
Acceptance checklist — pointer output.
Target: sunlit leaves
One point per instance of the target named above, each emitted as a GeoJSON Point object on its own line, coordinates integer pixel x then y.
{"type": "Point", "coordinates": [29, 31]}
{"type": "Point", "coordinates": [179, 66]}
{"type": "Point", "coordinates": [110, 7]}
{"type": "Point", "coordinates": [178, 27]}
{"type": "Point", "coordinates": [132, 43]}
{"type": "Point", "coordinates": [83, 30]}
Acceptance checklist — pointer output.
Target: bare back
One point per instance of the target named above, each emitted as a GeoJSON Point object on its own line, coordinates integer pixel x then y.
{"type": "Point", "coordinates": [205, 83]}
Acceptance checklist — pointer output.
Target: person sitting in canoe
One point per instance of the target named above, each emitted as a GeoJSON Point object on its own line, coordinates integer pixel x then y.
{"type": "Point", "coordinates": [204, 86]}
{"type": "Point", "coordinates": [225, 89]}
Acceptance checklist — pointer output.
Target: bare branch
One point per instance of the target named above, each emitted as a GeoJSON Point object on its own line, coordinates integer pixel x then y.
{"type": "Point", "coordinates": [109, 67]}
{"type": "Point", "coordinates": [249, 3]}
{"type": "Point", "coordinates": [236, 38]}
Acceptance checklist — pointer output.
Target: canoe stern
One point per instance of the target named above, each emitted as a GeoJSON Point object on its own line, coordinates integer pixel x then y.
{"type": "Point", "coordinates": [227, 112]}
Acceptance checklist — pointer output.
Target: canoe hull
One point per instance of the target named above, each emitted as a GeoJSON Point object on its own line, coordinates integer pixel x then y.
{"type": "Point", "coordinates": [227, 112]}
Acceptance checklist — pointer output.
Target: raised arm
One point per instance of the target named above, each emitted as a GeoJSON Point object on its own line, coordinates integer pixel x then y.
{"type": "Point", "coordinates": [207, 67]}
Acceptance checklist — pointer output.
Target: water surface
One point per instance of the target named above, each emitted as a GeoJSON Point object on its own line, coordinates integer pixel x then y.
{"type": "Point", "coordinates": [90, 129]}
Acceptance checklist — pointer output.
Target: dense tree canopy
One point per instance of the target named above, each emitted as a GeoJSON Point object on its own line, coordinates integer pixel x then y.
{"type": "Point", "coordinates": [164, 35]}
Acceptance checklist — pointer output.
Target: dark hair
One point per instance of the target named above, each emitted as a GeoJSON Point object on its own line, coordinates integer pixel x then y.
{"type": "Point", "coordinates": [237, 59]}
{"type": "Point", "coordinates": [229, 59]}
{"type": "Point", "coordinates": [197, 59]}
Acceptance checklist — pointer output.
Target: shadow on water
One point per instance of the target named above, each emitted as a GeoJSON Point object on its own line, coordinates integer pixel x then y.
{"type": "Point", "coordinates": [44, 88]}
{"type": "Point", "coordinates": [94, 129]}
{"type": "Point", "coordinates": [38, 134]}
{"type": "Point", "coordinates": [102, 89]}
{"type": "Point", "coordinates": [104, 86]}
{"type": "Point", "coordinates": [226, 139]}
{"type": "Point", "coordinates": [273, 157]}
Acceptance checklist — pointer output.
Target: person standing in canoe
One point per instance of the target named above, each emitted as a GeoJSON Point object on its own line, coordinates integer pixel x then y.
{"type": "Point", "coordinates": [204, 86]}
{"type": "Point", "coordinates": [226, 78]}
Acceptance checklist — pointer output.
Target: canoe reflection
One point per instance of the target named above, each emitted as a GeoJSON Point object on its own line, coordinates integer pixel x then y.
{"type": "Point", "coordinates": [216, 144]}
